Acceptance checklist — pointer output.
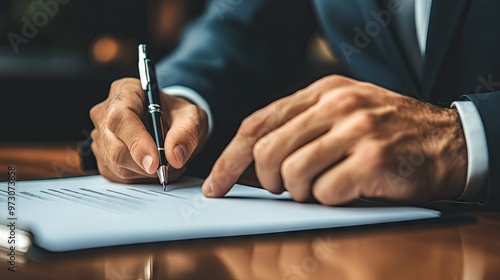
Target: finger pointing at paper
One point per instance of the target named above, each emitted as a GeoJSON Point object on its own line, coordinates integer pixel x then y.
{"type": "Point", "coordinates": [340, 139]}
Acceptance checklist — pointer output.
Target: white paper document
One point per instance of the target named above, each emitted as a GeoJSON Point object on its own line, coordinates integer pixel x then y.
{"type": "Point", "coordinates": [88, 212]}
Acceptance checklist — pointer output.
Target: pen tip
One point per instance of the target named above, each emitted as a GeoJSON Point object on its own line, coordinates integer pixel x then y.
{"type": "Point", "coordinates": [163, 175]}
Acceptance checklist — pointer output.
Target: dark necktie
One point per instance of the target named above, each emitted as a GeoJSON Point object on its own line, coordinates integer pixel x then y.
{"type": "Point", "coordinates": [404, 27]}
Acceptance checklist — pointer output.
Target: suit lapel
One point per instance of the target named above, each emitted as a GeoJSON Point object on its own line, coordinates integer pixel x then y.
{"type": "Point", "coordinates": [444, 18]}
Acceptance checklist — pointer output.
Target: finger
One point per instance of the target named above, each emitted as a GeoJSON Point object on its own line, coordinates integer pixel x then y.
{"type": "Point", "coordinates": [96, 115]}
{"type": "Point", "coordinates": [134, 178]}
{"type": "Point", "coordinates": [114, 154]}
{"type": "Point", "coordinates": [188, 126]}
{"type": "Point", "coordinates": [128, 127]}
{"type": "Point", "coordinates": [125, 103]}
{"type": "Point", "coordinates": [124, 113]}
{"type": "Point", "coordinates": [338, 185]}
{"type": "Point", "coordinates": [174, 174]}
{"type": "Point", "coordinates": [239, 153]}
{"type": "Point", "coordinates": [124, 93]}
{"type": "Point", "coordinates": [110, 169]}
{"type": "Point", "coordinates": [271, 150]}
{"type": "Point", "coordinates": [127, 93]}
{"type": "Point", "coordinates": [96, 145]}
{"type": "Point", "coordinates": [122, 175]}
{"type": "Point", "coordinates": [300, 169]}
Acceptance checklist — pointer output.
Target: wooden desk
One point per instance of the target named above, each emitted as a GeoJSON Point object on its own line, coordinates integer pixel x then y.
{"type": "Point", "coordinates": [40, 160]}
{"type": "Point", "coordinates": [419, 250]}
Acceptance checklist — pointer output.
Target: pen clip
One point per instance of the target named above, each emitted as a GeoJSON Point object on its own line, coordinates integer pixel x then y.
{"type": "Point", "coordinates": [142, 66]}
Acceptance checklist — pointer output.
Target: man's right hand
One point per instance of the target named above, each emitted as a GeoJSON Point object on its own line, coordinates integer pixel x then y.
{"type": "Point", "coordinates": [124, 149]}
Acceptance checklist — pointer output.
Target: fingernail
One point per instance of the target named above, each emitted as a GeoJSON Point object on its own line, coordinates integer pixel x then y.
{"type": "Point", "coordinates": [147, 161]}
{"type": "Point", "coordinates": [180, 154]}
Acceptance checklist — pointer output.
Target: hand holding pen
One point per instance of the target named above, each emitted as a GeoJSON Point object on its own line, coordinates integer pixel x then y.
{"type": "Point", "coordinates": [125, 150]}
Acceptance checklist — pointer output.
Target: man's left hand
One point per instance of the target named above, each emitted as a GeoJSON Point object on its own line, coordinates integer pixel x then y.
{"type": "Point", "coordinates": [341, 139]}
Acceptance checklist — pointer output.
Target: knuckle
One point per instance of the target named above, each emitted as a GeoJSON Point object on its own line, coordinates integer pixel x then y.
{"type": "Point", "coordinates": [334, 80]}
{"type": "Point", "coordinates": [134, 145]}
{"type": "Point", "coordinates": [262, 153]}
{"type": "Point", "coordinates": [190, 135]}
{"type": "Point", "coordinates": [301, 197]}
{"type": "Point", "coordinates": [124, 88]}
{"type": "Point", "coordinates": [323, 195]}
{"type": "Point", "coordinates": [335, 190]}
{"type": "Point", "coordinates": [94, 134]}
{"type": "Point", "coordinates": [117, 85]}
{"type": "Point", "coordinates": [364, 122]}
{"type": "Point", "coordinates": [95, 151]}
{"type": "Point", "coordinates": [251, 125]}
{"type": "Point", "coordinates": [291, 170]}
{"type": "Point", "coordinates": [118, 155]}
{"type": "Point", "coordinates": [324, 198]}
{"type": "Point", "coordinates": [280, 111]}
{"type": "Point", "coordinates": [346, 101]}
{"type": "Point", "coordinates": [116, 89]}
{"type": "Point", "coordinates": [275, 189]}
{"type": "Point", "coordinates": [279, 106]}
{"type": "Point", "coordinates": [115, 119]}
{"type": "Point", "coordinates": [316, 153]}
{"type": "Point", "coordinates": [94, 113]}
{"type": "Point", "coordinates": [303, 93]}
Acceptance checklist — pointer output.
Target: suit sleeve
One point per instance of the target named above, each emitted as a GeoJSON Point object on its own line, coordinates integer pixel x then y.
{"type": "Point", "coordinates": [237, 55]}
{"type": "Point", "coordinates": [488, 106]}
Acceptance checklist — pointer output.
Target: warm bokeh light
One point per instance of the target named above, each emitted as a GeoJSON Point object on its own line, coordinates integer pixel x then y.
{"type": "Point", "coordinates": [324, 49]}
{"type": "Point", "coordinates": [105, 49]}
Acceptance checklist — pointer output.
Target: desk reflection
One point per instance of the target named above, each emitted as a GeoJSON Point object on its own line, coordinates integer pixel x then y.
{"type": "Point", "coordinates": [422, 251]}
{"type": "Point", "coordinates": [384, 256]}
{"type": "Point", "coordinates": [448, 253]}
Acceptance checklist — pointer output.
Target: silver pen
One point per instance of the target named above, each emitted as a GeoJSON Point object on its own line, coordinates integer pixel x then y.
{"type": "Point", "coordinates": [149, 83]}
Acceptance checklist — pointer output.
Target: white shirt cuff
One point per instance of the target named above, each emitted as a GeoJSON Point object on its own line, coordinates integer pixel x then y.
{"type": "Point", "coordinates": [193, 96]}
{"type": "Point", "coordinates": [477, 148]}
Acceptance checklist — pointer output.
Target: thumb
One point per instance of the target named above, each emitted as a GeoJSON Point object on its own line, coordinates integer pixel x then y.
{"type": "Point", "coordinates": [188, 126]}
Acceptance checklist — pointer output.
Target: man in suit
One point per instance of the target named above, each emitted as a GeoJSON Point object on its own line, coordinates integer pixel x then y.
{"type": "Point", "coordinates": [388, 132]}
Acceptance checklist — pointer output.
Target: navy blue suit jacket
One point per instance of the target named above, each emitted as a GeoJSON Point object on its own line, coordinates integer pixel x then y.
{"type": "Point", "coordinates": [241, 51]}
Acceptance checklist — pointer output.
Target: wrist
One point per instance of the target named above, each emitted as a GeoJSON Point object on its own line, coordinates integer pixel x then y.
{"type": "Point", "coordinates": [452, 157]}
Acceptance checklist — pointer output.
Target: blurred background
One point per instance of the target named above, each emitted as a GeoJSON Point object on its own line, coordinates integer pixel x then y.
{"type": "Point", "coordinates": [59, 57]}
